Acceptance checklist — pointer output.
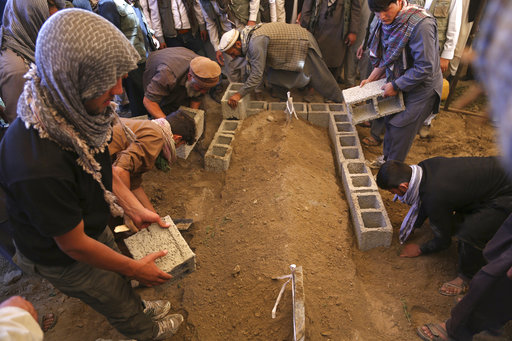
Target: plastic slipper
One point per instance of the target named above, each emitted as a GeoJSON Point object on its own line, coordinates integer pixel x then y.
{"type": "Point", "coordinates": [48, 321]}
{"type": "Point", "coordinates": [370, 141]}
{"type": "Point", "coordinates": [463, 288]}
{"type": "Point", "coordinates": [436, 330]}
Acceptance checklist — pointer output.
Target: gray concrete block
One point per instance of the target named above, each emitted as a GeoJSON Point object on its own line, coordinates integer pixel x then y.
{"type": "Point", "coordinates": [299, 308]}
{"type": "Point", "coordinates": [367, 103]}
{"type": "Point", "coordinates": [255, 107]}
{"type": "Point", "coordinates": [339, 107]}
{"type": "Point", "coordinates": [179, 260]}
{"type": "Point", "coordinates": [277, 106]}
{"type": "Point", "coordinates": [224, 139]}
{"type": "Point", "coordinates": [371, 227]}
{"type": "Point", "coordinates": [301, 109]}
{"type": "Point", "coordinates": [217, 157]}
{"type": "Point", "coordinates": [240, 112]}
{"type": "Point", "coordinates": [357, 177]}
{"type": "Point", "coordinates": [340, 123]}
{"type": "Point", "coordinates": [184, 150]}
{"type": "Point", "coordinates": [319, 118]}
{"type": "Point", "coordinates": [318, 107]}
{"type": "Point", "coordinates": [229, 126]}
{"type": "Point", "coordinates": [345, 141]}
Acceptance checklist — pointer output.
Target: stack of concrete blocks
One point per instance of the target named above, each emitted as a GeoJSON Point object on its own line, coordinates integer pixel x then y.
{"type": "Point", "coordinates": [197, 115]}
{"type": "Point", "coordinates": [218, 156]}
{"type": "Point", "coordinates": [178, 261]}
{"type": "Point", "coordinates": [240, 111]}
{"type": "Point", "coordinates": [368, 103]}
{"type": "Point", "coordinates": [369, 217]}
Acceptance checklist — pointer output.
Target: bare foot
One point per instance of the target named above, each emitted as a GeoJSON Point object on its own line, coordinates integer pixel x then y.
{"type": "Point", "coordinates": [454, 287]}
{"type": "Point", "coordinates": [48, 322]}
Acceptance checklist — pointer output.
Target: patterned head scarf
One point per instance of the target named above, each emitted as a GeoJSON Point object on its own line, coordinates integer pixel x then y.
{"type": "Point", "coordinates": [79, 56]}
{"type": "Point", "coordinates": [388, 41]}
{"type": "Point", "coordinates": [20, 24]}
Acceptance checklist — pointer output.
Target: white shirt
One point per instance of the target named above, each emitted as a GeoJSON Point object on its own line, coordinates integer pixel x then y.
{"type": "Point", "coordinates": [453, 29]}
{"type": "Point", "coordinates": [211, 26]}
{"type": "Point", "coordinates": [17, 324]}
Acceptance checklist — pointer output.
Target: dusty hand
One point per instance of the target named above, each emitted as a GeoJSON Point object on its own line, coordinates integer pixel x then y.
{"type": "Point", "coordinates": [220, 57]}
{"type": "Point", "coordinates": [233, 100]}
{"type": "Point", "coordinates": [410, 251]}
{"type": "Point", "coordinates": [145, 217]}
{"type": "Point", "coordinates": [444, 64]}
{"type": "Point", "coordinates": [204, 35]}
{"type": "Point", "coordinates": [148, 273]}
{"type": "Point", "coordinates": [351, 39]}
{"type": "Point", "coordinates": [389, 90]}
{"type": "Point", "coordinates": [163, 45]}
{"type": "Point", "coordinates": [20, 302]}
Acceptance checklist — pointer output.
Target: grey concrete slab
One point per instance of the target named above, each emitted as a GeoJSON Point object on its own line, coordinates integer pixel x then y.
{"type": "Point", "coordinates": [179, 260]}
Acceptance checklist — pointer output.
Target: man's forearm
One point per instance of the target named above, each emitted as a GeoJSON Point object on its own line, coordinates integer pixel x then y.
{"type": "Point", "coordinates": [153, 108]}
{"type": "Point", "coordinates": [126, 198]}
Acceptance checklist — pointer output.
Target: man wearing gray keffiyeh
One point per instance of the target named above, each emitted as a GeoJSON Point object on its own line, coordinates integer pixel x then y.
{"type": "Point", "coordinates": [61, 192]}
{"type": "Point", "coordinates": [466, 197]}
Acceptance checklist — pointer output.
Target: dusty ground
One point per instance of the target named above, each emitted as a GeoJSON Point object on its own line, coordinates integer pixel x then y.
{"type": "Point", "coordinates": [281, 202]}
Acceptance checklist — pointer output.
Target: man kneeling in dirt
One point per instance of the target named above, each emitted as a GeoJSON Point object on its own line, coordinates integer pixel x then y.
{"type": "Point", "coordinates": [469, 197]}
{"type": "Point", "coordinates": [57, 175]}
{"type": "Point", "coordinates": [137, 144]}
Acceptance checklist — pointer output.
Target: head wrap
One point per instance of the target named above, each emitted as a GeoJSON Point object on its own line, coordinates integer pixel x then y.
{"type": "Point", "coordinates": [79, 56]}
{"type": "Point", "coordinates": [206, 72]}
{"type": "Point", "coordinates": [412, 198]}
{"type": "Point", "coordinates": [20, 24]}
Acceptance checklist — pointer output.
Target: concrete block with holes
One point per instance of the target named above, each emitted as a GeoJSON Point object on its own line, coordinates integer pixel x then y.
{"type": "Point", "coordinates": [197, 115]}
{"type": "Point", "coordinates": [217, 157]}
{"type": "Point", "coordinates": [240, 111]}
{"type": "Point", "coordinates": [180, 259]}
{"type": "Point", "coordinates": [357, 177]}
{"type": "Point", "coordinates": [339, 124]}
{"type": "Point", "coordinates": [229, 126]}
{"type": "Point", "coordinates": [370, 219]}
{"type": "Point", "coordinates": [255, 107]}
{"type": "Point", "coordinates": [318, 114]}
{"type": "Point", "coordinates": [368, 103]}
{"type": "Point", "coordinates": [347, 149]}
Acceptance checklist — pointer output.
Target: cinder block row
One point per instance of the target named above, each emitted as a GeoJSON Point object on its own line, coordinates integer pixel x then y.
{"type": "Point", "coordinates": [319, 118]}
{"type": "Point", "coordinates": [255, 107]}
{"type": "Point", "coordinates": [197, 115]}
{"type": "Point", "coordinates": [370, 219]}
{"type": "Point", "coordinates": [299, 307]}
{"type": "Point", "coordinates": [240, 111]}
{"type": "Point", "coordinates": [367, 103]}
{"type": "Point", "coordinates": [340, 124]}
{"type": "Point", "coordinates": [347, 149]}
{"type": "Point", "coordinates": [179, 260]}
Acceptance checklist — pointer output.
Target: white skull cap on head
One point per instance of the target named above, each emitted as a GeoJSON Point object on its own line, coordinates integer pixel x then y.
{"type": "Point", "coordinates": [228, 40]}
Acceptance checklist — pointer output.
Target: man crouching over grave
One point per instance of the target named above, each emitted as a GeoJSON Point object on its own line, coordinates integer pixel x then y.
{"type": "Point", "coordinates": [176, 76]}
{"type": "Point", "coordinates": [57, 175]}
{"type": "Point", "coordinates": [469, 197]}
{"type": "Point", "coordinates": [289, 54]}
{"type": "Point", "coordinates": [137, 144]}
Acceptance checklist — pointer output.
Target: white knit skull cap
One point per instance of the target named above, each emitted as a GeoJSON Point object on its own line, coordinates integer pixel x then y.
{"type": "Point", "coordinates": [228, 40]}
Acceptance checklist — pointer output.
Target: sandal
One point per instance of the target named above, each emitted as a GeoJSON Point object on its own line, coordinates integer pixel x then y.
{"type": "Point", "coordinates": [436, 330]}
{"type": "Point", "coordinates": [365, 124]}
{"type": "Point", "coordinates": [462, 289]}
{"type": "Point", "coordinates": [370, 141]}
{"type": "Point", "coordinates": [48, 321]}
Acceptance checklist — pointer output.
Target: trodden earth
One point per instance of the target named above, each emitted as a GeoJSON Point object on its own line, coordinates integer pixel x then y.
{"type": "Point", "coordinates": [281, 202]}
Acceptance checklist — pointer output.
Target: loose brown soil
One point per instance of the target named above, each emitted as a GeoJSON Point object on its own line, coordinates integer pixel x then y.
{"type": "Point", "coordinates": [282, 202]}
